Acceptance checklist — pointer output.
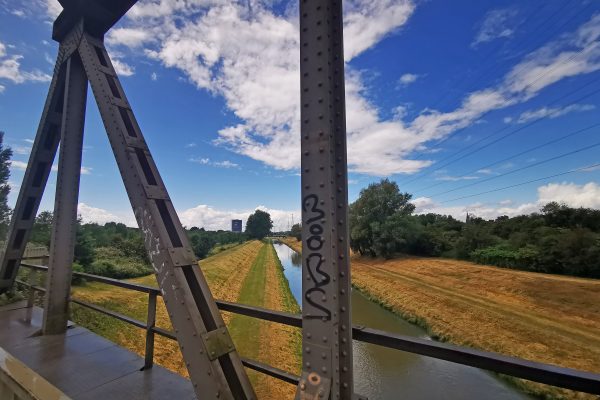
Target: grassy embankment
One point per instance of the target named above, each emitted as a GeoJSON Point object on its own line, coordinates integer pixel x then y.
{"type": "Point", "coordinates": [248, 273]}
{"type": "Point", "coordinates": [547, 318]}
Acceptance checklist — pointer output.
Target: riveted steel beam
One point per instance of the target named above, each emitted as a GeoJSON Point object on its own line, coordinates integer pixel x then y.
{"type": "Point", "coordinates": [326, 312]}
{"type": "Point", "coordinates": [214, 372]}
{"type": "Point", "coordinates": [64, 229]}
{"type": "Point", "coordinates": [39, 165]}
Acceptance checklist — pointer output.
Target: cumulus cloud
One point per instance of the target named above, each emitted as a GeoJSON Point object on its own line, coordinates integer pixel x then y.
{"type": "Point", "coordinates": [201, 216]}
{"type": "Point", "coordinates": [211, 218]}
{"type": "Point", "coordinates": [249, 56]}
{"type": "Point", "coordinates": [574, 195]}
{"type": "Point", "coordinates": [91, 214]}
{"type": "Point", "coordinates": [587, 195]}
{"type": "Point", "coordinates": [10, 69]}
{"type": "Point", "coordinates": [53, 8]}
{"type": "Point", "coordinates": [552, 112]}
{"type": "Point", "coordinates": [122, 68]}
{"type": "Point", "coordinates": [499, 23]}
{"type": "Point", "coordinates": [128, 37]}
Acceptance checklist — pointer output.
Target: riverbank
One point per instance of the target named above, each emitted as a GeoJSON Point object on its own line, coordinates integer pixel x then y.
{"type": "Point", "coordinates": [249, 273]}
{"type": "Point", "coordinates": [547, 318]}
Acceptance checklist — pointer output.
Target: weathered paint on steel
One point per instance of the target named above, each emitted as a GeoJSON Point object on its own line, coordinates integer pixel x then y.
{"type": "Point", "coordinates": [64, 229]}
{"type": "Point", "coordinates": [326, 325]}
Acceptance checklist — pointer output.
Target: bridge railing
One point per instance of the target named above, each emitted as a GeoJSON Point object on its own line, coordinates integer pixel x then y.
{"type": "Point", "coordinates": [538, 372]}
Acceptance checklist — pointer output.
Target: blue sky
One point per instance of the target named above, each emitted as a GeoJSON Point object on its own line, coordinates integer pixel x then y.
{"type": "Point", "coordinates": [440, 97]}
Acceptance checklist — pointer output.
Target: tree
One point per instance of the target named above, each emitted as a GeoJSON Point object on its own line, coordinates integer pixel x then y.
{"type": "Point", "coordinates": [378, 219]}
{"type": "Point", "coordinates": [259, 224]}
{"type": "Point", "coordinates": [296, 231]}
{"type": "Point", "coordinates": [42, 228]}
{"type": "Point", "coordinates": [5, 155]}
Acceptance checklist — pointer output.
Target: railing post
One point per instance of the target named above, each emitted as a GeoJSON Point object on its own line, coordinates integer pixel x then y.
{"type": "Point", "coordinates": [150, 322]}
{"type": "Point", "coordinates": [31, 281]}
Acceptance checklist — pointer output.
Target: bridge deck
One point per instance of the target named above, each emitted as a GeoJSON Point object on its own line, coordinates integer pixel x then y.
{"type": "Point", "coordinates": [82, 364]}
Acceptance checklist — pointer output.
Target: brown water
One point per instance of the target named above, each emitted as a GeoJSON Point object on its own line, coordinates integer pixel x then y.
{"type": "Point", "coordinates": [382, 373]}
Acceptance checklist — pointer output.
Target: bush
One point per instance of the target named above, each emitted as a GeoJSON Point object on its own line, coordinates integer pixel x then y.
{"type": "Point", "coordinates": [119, 269]}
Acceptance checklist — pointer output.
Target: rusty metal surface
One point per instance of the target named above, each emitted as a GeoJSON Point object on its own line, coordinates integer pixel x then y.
{"type": "Point", "coordinates": [103, 370]}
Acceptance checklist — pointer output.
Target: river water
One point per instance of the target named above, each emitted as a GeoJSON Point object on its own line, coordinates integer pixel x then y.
{"type": "Point", "coordinates": [382, 373]}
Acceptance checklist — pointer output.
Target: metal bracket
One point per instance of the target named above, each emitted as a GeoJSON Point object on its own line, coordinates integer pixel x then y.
{"type": "Point", "coordinates": [313, 386]}
{"type": "Point", "coordinates": [218, 343]}
{"type": "Point", "coordinates": [182, 256]}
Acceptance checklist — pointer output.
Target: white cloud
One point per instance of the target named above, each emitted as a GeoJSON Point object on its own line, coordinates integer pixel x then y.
{"type": "Point", "coordinates": [552, 112]}
{"type": "Point", "coordinates": [587, 195]}
{"type": "Point", "coordinates": [2, 88]}
{"type": "Point", "coordinates": [122, 68]}
{"type": "Point", "coordinates": [499, 23]}
{"type": "Point", "coordinates": [407, 79]}
{"type": "Point", "coordinates": [128, 37]}
{"type": "Point", "coordinates": [249, 56]}
{"type": "Point", "coordinates": [22, 150]}
{"type": "Point", "coordinates": [18, 13]}
{"type": "Point", "coordinates": [449, 178]}
{"type": "Point", "coordinates": [190, 145]}
{"type": "Point", "coordinates": [208, 161]}
{"type": "Point", "coordinates": [367, 22]}
{"type": "Point", "coordinates": [21, 165]}
{"type": "Point", "coordinates": [53, 8]}
{"type": "Point", "coordinates": [91, 214]}
{"type": "Point", "coordinates": [202, 216]}
{"type": "Point", "coordinates": [574, 195]}
{"type": "Point", "coordinates": [154, 76]}
{"type": "Point", "coordinates": [10, 69]}
{"type": "Point", "coordinates": [211, 218]}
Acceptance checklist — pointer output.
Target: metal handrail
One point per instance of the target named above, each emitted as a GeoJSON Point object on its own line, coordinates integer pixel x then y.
{"type": "Point", "coordinates": [539, 372]}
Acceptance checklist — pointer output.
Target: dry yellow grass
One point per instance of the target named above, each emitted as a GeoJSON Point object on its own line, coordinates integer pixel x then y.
{"type": "Point", "coordinates": [227, 273]}
{"type": "Point", "coordinates": [293, 243]}
{"type": "Point", "coordinates": [280, 344]}
{"type": "Point", "coordinates": [547, 318]}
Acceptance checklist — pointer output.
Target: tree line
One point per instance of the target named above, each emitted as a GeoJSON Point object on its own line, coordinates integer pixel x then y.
{"type": "Point", "coordinates": [558, 239]}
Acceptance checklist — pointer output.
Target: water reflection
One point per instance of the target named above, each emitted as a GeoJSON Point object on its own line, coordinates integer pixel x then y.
{"type": "Point", "coordinates": [382, 373]}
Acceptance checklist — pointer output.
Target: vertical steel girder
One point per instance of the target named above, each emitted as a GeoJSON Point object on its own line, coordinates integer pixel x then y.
{"type": "Point", "coordinates": [326, 311]}
{"type": "Point", "coordinates": [216, 372]}
{"type": "Point", "coordinates": [64, 229]}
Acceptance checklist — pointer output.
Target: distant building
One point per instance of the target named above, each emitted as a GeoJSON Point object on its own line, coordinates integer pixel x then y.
{"type": "Point", "coordinates": [236, 225]}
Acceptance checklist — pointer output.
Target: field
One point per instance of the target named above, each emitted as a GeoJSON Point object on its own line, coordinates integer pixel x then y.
{"type": "Point", "coordinates": [249, 273]}
{"type": "Point", "coordinates": [548, 318]}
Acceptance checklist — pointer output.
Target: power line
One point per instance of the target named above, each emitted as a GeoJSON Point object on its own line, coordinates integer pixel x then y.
{"type": "Point", "coordinates": [535, 121]}
{"type": "Point", "coordinates": [497, 46]}
{"type": "Point", "coordinates": [453, 134]}
{"type": "Point", "coordinates": [577, 132]}
{"type": "Point", "coordinates": [523, 183]}
{"type": "Point", "coordinates": [570, 153]}
{"type": "Point", "coordinates": [420, 154]}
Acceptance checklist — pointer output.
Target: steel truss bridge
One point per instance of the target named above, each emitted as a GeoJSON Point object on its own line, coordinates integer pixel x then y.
{"type": "Point", "coordinates": [215, 368]}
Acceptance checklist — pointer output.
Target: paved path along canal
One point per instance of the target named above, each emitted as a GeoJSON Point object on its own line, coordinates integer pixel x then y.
{"type": "Point", "coordinates": [382, 373]}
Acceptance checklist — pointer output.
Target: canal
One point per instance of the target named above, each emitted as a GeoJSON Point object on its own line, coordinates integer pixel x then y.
{"type": "Point", "coordinates": [382, 373]}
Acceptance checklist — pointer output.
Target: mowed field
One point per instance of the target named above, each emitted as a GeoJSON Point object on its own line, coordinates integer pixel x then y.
{"type": "Point", "coordinates": [249, 273]}
{"type": "Point", "coordinates": [547, 318]}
